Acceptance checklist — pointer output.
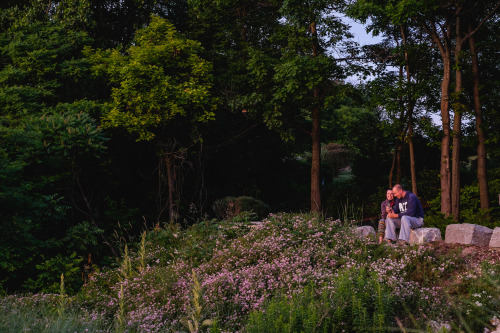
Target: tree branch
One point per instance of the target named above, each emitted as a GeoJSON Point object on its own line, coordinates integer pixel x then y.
{"type": "Point", "coordinates": [470, 34]}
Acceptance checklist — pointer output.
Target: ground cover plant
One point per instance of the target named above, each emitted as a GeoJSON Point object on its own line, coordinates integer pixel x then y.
{"type": "Point", "coordinates": [292, 273]}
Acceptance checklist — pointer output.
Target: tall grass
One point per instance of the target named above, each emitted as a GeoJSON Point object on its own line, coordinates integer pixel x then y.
{"type": "Point", "coordinates": [195, 319]}
{"type": "Point", "coordinates": [350, 214]}
{"type": "Point", "coordinates": [356, 303]}
{"type": "Point", "coordinates": [43, 317]}
{"type": "Point", "coordinates": [303, 312]}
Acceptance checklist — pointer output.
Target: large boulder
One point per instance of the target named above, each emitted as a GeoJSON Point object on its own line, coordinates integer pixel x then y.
{"type": "Point", "coordinates": [469, 234]}
{"type": "Point", "coordinates": [495, 238]}
{"type": "Point", "coordinates": [425, 235]}
{"type": "Point", "coordinates": [364, 231]}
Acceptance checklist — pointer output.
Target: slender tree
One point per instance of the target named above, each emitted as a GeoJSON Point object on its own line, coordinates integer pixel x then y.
{"type": "Point", "coordinates": [481, 141]}
{"type": "Point", "coordinates": [161, 92]}
{"type": "Point", "coordinates": [461, 9]}
{"type": "Point", "coordinates": [279, 70]}
{"type": "Point", "coordinates": [306, 72]}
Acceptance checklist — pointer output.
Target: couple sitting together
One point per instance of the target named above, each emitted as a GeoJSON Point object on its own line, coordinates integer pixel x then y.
{"type": "Point", "coordinates": [403, 210]}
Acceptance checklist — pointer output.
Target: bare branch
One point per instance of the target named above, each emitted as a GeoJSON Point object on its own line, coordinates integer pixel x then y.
{"type": "Point", "coordinates": [470, 34]}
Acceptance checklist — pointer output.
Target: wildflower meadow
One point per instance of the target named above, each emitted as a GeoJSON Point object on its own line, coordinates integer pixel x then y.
{"type": "Point", "coordinates": [292, 273]}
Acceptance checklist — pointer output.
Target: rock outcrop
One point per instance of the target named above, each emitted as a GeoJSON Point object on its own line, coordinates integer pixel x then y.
{"type": "Point", "coordinates": [495, 238]}
{"type": "Point", "coordinates": [425, 235]}
{"type": "Point", "coordinates": [364, 231]}
{"type": "Point", "coordinates": [469, 234]}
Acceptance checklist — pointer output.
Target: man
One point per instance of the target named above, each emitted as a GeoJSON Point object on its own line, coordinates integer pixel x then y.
{"type": "Point", "coordinates": [389, 202]}
{"type": "Point", "coordinates": [408, 214]}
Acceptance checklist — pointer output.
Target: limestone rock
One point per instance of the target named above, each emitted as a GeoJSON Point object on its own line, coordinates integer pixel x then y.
{"type": "Point", "coordinates": [364, 231]}
{"type": "Point", "coordinates": [470, 234]}
{"type": "Point", "coordinates": [495, 238]}
{"type": "Point", "coordinates": [425, 235]}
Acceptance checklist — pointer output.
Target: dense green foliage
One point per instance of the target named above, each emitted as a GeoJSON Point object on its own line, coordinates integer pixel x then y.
{"type": "Point", "coordinates": [161, 81]}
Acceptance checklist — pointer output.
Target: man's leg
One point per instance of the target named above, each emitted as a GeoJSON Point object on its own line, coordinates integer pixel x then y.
{"type": "Point", "coordinates": [408, 223]}
{"type": "Point", "coordinates": [390, 228]}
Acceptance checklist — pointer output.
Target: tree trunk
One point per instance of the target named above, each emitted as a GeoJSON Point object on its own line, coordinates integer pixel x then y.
{"type": "Point", "coordinates": [315, 163]}
{"type": "Point", "coordinates": [481, 147]}
{"type": "Point", "coordinates": [444, 170]}
{"type": "Point", "coordinates": [403, 130]}
{"type": "Point", "coordinates": [412, 159]}
{"type": "Point", "coordinates": [315, 136]}
{"type": "Point", "coordinates": [398, 163]}
{"type": "Point", "coordinates": [457, 123]}
{"type": "Point", "coordinates": [170, 179]}
{"type": "Point", "coordinates": [169, 159]}
{"type": "Point", "coordinates": [391, 173]}
{"type": "Point", "coordinates": [442, 41]}
{"type": "Point", "coordinates": [411, 105]}
{"type": "Point", "coordinates": [443, 44]}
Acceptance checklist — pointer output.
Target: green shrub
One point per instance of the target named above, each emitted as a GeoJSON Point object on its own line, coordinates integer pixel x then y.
{"type": "Point", "coordinates": [49, 277]}
{"type": "Point", "coordinates": [470, 211]}
{"type": "Point", "coordinates": [357, 303]}
{"type": "Point", "coordinates": [304, 312]}
{"type": "Point", "coordinates": [199, 241]}
{"type": "Point", "coordinates": [361, 303]}
{"type": "Point", "coordinates": [229, 208]}
{"type": "Point", "coordinates": [437, 220]}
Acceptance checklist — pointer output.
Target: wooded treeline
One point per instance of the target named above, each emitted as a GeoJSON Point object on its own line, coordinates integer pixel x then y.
{"type": "Point", "coordinates": [116, 116]}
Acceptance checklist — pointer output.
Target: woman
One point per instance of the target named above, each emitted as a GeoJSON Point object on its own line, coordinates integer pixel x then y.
{"type": "Point", "coordinates": [385, 207]}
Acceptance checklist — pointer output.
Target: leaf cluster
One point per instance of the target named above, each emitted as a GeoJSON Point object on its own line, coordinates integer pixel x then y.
{"type": "Point", "coordinates": [160, 78]}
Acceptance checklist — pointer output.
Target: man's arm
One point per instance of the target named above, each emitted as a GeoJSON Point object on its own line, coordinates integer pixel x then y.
{"type": "Point", "coordinates": [395, 207]}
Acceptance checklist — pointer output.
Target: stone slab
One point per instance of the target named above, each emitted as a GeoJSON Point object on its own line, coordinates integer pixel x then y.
{"type": "Point", "coordinates": [469, 234]}
{"type": "Point", "coordinates": [425, 235]}
{"type": "Point", "coordinates": [364, 231]}
{"type": "Point", "coordinates": [495, 238]}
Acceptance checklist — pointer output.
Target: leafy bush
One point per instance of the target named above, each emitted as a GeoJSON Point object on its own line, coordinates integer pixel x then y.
{"type": "Point", "coordinates": [232, 207]}
{"type": "Point", "coordinates": [49, 276]}
{"type": "Point", "coordinates": [437, 220]}
{"type": "Point", "coordinates": [304, 312]}
{"type": "Point", "coordinates": [470, 211]}
{"type": "Point", "coordinates": [357, 302]}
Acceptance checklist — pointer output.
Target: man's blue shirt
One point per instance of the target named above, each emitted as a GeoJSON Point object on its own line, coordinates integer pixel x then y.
{"type": "Point", "coordinates": [409, 205]}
